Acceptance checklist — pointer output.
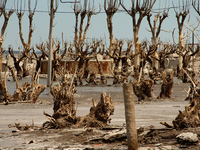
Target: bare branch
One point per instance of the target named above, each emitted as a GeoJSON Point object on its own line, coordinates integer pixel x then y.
{"type": "Point", "coordinates": [173, 35]}
{"type": "Point", "coordinates": [191, 30]}
{"type": "Point", "coordinates": [196, 7]}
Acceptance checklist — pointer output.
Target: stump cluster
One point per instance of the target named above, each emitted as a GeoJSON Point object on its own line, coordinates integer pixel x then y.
{"type": "Point", "coordinates": [25, 92]}
{"type": "Point", "coordinates": [65, 113]}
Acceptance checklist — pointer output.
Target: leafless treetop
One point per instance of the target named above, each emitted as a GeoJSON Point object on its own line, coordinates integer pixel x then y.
{"type": "Point", "coordinates": [113, 6]}
{"type": "Point", "coordinates": [141, 7]}
{"type": "Point", "coordinates": [196, 6]}
{"type": "Point", "coordinates": [2, 6]}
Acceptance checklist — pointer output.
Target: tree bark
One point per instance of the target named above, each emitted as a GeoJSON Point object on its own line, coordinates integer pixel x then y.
{"type": "Point", "coordinates": [155, 61]}
{"type": "Point", "coordinates": [130, 117]}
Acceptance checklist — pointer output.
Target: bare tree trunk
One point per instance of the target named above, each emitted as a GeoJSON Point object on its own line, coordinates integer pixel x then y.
{"type": "Point", "coordinates": [1, 57]}
{"type": "Point", "coordinates": [3, 28]}
{"type": "Point", "coordinates": [138, 11]}
{"type": "Point", "coordinates": [110, 30]}
{"type": "Point", "coordinates": [130, 117]}
{"type": "Point", "coordinates": [181, 45]}
{"type": "Point", "coordinates": [137, 51]}
{"type": "Point", "coordinates": [155, 61]}
{"type": "Point", "coordinates": [110, 8]}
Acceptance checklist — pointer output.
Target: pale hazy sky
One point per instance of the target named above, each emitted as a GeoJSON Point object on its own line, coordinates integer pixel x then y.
{"type": "Point", "coordinates": [64, 23]}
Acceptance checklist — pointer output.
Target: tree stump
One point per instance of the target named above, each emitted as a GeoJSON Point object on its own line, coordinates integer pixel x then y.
{"type": "Point", "coordinates": [65, 113]}
{"type": "Point", "coordinates": [35, 92]}
{"type": "Point", "coordinates": [4, 95]}
{"type": "Point", "coordinates": [167, 85]}
{"type": "Point", "coordinates": [92, 79]}
{"type": "Point", "coordinates": [144, 89]}
{"type": "Point", "coordinates": [190, 117]}
{"type": "Point", "coordinates": [99, 114]}
{"type": "Point", "coordinates": [20, 93]}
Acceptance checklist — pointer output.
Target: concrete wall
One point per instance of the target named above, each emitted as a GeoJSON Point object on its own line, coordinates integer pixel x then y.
{"type": "Point", "coordinates": [171, 63]}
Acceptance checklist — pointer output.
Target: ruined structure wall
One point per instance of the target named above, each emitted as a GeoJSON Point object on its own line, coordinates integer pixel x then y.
{"type": "Point", "coordinates": [71, 66]}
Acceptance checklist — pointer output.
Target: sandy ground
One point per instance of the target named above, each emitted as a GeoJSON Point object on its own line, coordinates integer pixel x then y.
{"type": "Point", "coordinates": [148, 113]}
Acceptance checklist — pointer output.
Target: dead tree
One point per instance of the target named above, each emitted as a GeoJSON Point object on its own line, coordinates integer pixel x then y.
{"type": "Point", "coordinates": [4, 26]}
{"type": "Point", "coordinates": [126, 62]}
{"type": "Point", "coordinates": [27, 45]}
{"type": "Point", "coordinates": [82, 58]}
{"type": "Point", "coordinates": [110, 7]}
{"type": "Point", "coordinates": [38, 59]}
{"type": "Point", "coordinates": [26, 92]}
{"type": "Point", "coordinates": [147, 53]}
{"type": "Point", "coordinates": [57, 58]}
{"type": "Point", "coordinates": [181, 15]}
{"type": "Point", "coordinates": [65, 113]}
{"type": "Point", "coordinates": [142, 9]}
{"type": "Point", "coordinates": [117, 56]}
{"type": "Point", "coordinates": [166, 50]}
{"type": "Point", "coordinates": [17, 62]}
{"type": "Point", "coordinates": [80, 33]}
{"type": "Point", "coordinates": [89, 74]}
{"type": "Point", "coordinates": [167, 85]}
{"type": "Point", "coordinates": [103, 79]}
{"type": "Point", "coordinates": [155, 31]}
{"type": "Point", "coordinates": [130, 117]}
{"type": "Point", "coordinates": [143, 88]}
{"type": "Point", "coordinates": [121, 75]}
{"type": "Point", "coordinates": [186, 55]}
{"type": "Point", "coordinates": [80, 36]}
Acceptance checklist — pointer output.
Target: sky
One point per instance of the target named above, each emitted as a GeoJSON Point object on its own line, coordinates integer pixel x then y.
{"type": "Point", "coordinates": [64, 23]}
